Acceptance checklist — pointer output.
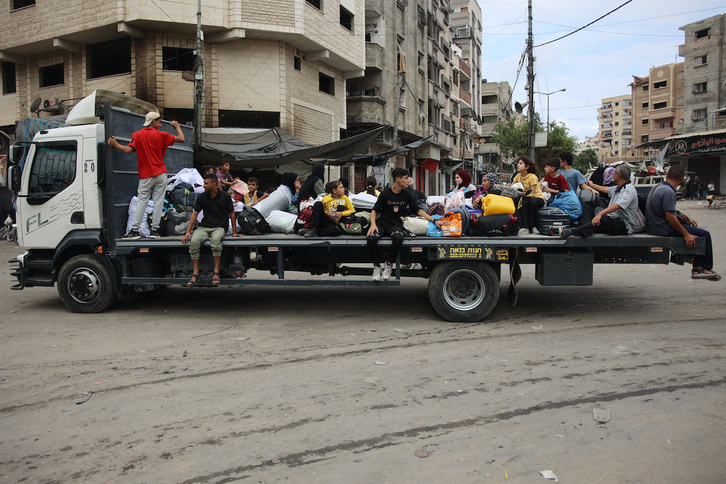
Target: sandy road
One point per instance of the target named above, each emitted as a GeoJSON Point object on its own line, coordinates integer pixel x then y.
{"type": "Point", "coordinates": [282, 384]}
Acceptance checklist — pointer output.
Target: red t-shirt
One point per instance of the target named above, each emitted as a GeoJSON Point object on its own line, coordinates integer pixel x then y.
{"type": "Point", "coordinates": [559, 183]}
{"type": "Point", "coordinates": [150, 145]}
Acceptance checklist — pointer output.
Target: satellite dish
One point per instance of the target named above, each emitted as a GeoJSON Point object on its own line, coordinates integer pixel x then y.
{"type": "Point", "coordinates": [35, 105]}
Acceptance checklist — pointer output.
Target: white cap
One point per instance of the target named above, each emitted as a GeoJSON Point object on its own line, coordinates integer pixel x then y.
{"type": "Point", "coordinates": [150, 117]}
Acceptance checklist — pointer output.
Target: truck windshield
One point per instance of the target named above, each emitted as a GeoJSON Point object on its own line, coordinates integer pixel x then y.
{"type": "Point", "coordinates": [53, 168]}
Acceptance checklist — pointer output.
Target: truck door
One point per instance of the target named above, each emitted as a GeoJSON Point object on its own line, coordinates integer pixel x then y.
{"type": "Point", "coordinates": [50, 204]}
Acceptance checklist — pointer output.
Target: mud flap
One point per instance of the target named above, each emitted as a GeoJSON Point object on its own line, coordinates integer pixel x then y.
{"type": "Point", "coordinates": [515, 274]}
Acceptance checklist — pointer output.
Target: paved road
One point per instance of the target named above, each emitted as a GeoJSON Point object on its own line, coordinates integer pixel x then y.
{"type": "Point", "coordinates": [273, 384]}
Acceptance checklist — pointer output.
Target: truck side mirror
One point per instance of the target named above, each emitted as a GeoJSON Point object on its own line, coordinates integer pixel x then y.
{"type": "Point", "coordinates": [16, 153]}
{"type": "Point", "coordinates": [14, 178]}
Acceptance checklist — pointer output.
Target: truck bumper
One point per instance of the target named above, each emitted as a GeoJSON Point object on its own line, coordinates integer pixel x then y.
{"type": "Point", "coordinates": [17, 272]}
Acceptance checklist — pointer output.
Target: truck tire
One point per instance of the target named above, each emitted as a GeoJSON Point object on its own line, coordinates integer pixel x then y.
{"type": "Point", "coordinates": [85, 285]}
{"type": "Point", "coordinates": [463, 291]}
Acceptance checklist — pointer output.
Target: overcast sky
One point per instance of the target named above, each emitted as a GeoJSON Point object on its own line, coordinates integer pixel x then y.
{"type": "Point", "coordinates": [595, 63]}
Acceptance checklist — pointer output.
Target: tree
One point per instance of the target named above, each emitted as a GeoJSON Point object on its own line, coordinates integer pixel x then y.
{"type": "Point", "coordinates": [511, 135]}
{"type": "Point", "coordinates": [585, 160]}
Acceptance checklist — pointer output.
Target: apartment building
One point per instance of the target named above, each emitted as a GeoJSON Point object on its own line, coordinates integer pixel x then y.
{"type": "Point", "coordinates": [590, 143]}
{"type": "Point", "coordinates": [615, 121]}
{"type": "Point", "coordinates": [275, 63]}
{"type": "Point", "coordinates": [466, 31]}
{"type": "Point", "coordinates": [658, 105]}
{"type": "Point", "coordinates": [417, 82]}
{"type": "Point", "coordinates": [496, 106]}
{"type": "Point", "coordinates": [705, 91]}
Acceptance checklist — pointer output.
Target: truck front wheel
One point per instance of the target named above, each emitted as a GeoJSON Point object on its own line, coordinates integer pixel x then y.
{"type": "Point", "coordinates": [85, 285]}
{"type": "Point", "coordinates": [463, 291]}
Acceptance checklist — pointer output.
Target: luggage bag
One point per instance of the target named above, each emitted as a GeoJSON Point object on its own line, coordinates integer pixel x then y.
{"type": "Point", "coordinates": [551, 220]}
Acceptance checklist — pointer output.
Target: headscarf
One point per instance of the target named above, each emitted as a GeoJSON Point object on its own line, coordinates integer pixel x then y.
{"type": "Point", "coordinates": [608, 176]}
{"type": "Point", "coordinates": [319, 170]}
{"type": "Point", "coordinates": [465, 179]}
{"type": "Point", "coordinates": [493, 179]}
{"type": "Point", "coordinates": [288, 179]}
{"type": "Point", "coordinates": [308, 187]}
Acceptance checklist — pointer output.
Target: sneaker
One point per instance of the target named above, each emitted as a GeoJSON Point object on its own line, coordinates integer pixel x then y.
{"type": "Point", "coordinates": [377, 270]}
{"type": "Point", "coordinates": [312, 232]}
{"type": "Point", "coordinates": [564, 233]}
{"type": "Point", "coordinates": [302, 232]}
{"type": "Point", "coordinates": [132, 235]}
{"type": "Point", "coordinates": [154, 234]}
{"type": "Point", "coordinates": [535, 231]}
{"type": "Point", "coordinates": [523, 232]}
{"type": "Point", "coordinates": [387, 269]}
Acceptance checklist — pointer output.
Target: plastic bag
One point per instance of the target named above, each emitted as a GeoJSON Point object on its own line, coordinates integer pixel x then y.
{"type": "Point", "coordinates": [281, 222]}
{"type": "Point", "coordinates": [434, 230]}
{"type": "Point", "coordinates": [416, 225]}
{"type": "Point", "coordinates": [568, 202]}
{"type": "Point", "coordinates": [455, 199]}
{"type": "Point", "coordinates": [451, 226]}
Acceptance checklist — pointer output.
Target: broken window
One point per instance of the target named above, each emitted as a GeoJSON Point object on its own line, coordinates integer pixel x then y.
{"type": "Point", "coordinates": [51, 75]}
{"type": "Point", "coordinates": [108, 58]}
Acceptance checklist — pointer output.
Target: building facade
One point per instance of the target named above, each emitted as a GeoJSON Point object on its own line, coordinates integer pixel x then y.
{"type": "Point", "coordinates": [705, 91]}
{"type": "Point", "coordinates": [496, 106]}
{"type": "Point", "coordinates": [615, 120]}
{"type": "Point", "coordinates": [276, 63]}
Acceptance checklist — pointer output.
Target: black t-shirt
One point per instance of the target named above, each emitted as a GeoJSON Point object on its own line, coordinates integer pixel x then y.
{"type": "Point", "coordinates": [216, 210]}
{"type": "Point", "coordinates": [394, 205]}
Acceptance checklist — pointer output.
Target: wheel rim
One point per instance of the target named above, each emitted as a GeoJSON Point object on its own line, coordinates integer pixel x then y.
{"type": "Point", "coordinates": [464, 290]}
{"type": "Point", "coordinates": [83, 285]}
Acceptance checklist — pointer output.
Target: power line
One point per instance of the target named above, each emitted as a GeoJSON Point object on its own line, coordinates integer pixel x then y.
{"type": "Point", "coordinates": [585, 26]}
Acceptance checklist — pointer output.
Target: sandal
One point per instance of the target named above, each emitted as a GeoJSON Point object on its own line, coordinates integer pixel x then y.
{"type": "Point", "coordinates": [216, 279]}
{"type": "Point", "coordinates": [194, 281]}
{"type": "Point", "coordinates": [700, 273]}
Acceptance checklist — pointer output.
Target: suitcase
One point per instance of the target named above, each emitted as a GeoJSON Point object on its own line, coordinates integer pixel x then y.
{"type": "Point", "coordinates": [550, 221]}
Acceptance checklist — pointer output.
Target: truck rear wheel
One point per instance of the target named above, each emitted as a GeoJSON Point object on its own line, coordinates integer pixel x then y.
{"type": "Point", "coordinates": [463, 291]}
{"type": "Point", "coordinates": [85, 285]}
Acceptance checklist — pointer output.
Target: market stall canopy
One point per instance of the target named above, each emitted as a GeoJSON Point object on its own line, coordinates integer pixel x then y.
{"type": "Point", "coordinates": [275, 149]}
{"type": "Point", "coordinates": [381, 158]}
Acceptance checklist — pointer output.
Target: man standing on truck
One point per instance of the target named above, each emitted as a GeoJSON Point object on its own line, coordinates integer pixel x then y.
{"type": "Point", "coordinates": [663, 219]}
{"type": "Point", "coordinates": [218, 211]}
{"type": "Point", "coordinates": [150, 143]}
{"type": "Point", "coordinates": [393, 203]}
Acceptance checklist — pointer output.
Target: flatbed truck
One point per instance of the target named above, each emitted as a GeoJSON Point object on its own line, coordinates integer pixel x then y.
{"type": "Point", "coordinates": [73, 197]}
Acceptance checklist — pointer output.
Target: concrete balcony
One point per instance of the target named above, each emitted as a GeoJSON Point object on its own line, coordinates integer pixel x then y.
{"type": "Point", "coordinates": [465, 96]}
{"type": "Point", "coordinates": [374, 7]}
{"type": "Point", "coordinates": [374, 56]}
{"type": "Point", "coordinates": [465, 68]}
{"type": "Point", "coordinates": [663, 113]}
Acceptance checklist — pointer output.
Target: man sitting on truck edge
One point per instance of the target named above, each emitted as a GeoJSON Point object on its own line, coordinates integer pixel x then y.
{"type": "Point", "coordinates": [621, 215]}
{"type": "Point", "coordinates": [150, 143]}
{"type": "Point", "coordinates": [393, 203]}
{"type": "Point", "coordinates": [218, 210]}
{"type": "Point", "coordinates": [661, 219]}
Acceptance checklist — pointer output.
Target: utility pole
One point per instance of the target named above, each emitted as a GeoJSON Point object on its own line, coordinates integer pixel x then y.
{"type": "Point", "coordinates": [199, 79]}
{"type": "Point", "coordinates": [530, 84]}
{"type": "Point", "coordinates": [397, 103]}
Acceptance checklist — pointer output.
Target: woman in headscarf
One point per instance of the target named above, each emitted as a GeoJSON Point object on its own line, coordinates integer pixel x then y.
{"type": "Point", "coordinates": [490, 182]}
{"type": "Point", "coordinates": [314, 184]}
{"type": "Point", "coordinates": [463, 180]}
{"type": "Point", "coordinates": [371, 184]}
{"type": "Point", "coordinates": [607, 177]}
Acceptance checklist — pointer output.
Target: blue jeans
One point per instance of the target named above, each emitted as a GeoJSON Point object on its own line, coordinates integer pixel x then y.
{"type": "Point", "coordinates": [706, 260]}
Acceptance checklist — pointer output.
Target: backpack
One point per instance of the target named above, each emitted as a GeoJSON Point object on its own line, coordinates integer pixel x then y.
{"type": "Point", "coordinates": [436, 209]}
{"type": "Point", "coordinates": [499, 225]}
{"type": "Point", "coordinates": [183, 197]}
{"type": "Point", "coordinates": [303, 219]}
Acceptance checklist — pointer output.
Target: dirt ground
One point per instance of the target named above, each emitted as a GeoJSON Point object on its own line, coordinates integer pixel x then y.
{"type": "Point", "coordinates": [366, 385]}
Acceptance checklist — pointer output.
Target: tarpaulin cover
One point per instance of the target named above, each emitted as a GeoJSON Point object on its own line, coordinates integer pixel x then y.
{"type": "Point", "coordinates": [380, 158]}
{"type": "Point", "coordinates": [266, 149]}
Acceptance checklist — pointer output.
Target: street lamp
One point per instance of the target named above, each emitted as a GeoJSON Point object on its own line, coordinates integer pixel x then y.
{"type": "Point", "coordinates": [548, 94]}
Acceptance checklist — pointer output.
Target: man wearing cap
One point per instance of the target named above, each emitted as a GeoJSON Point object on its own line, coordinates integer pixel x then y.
{"type": "Point", "coordinates": [150, 144]}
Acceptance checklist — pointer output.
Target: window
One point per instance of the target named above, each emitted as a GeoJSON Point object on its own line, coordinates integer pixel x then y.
{"type": "Point", "coordinates": [644, 138]}
{"type": "Point", "coordinates": [646, 87]}
{"type": "Point", "coordinates": [51, 75]}
{"type": "Point", "coordinates": [663, 125]}
{"type": "Point", "coordinates": [660, 105]}
{"type": "Point", "coordinates": [421, 16]}
{"type": "Point", "coordinates": [108, 58]}
{"type": "Point", "coordinates": [326, 84]}
{"type": "Point", "coordinates": [699, 114]}
{"type": "Point", "coordinates": [53, 170]}
{"type": "Point", "coordinates": [645, 122]}
{"type": "Point", "coordinates": [645, 105]}
{"type": "Point", "coordinates": [702, 60]}
{"type": "Point", "coordinates": [700, 34]}
{"type": "Point", "coordinates": [181, 115]}
{"type": "Point", "coordinates": [699, 87]}
{"type": "Point", "coordinates": [346, 19]}
{"type": "Point", "coordinates": [315, 3]}
{"type": "Point", "coordinates": [177, 59]}
{"type": "Point", "coordinates": [248, 119]}
{"type": "Point", "coordinates": [617, 104]}
{"type": "Point", "coordinates": [16, 4]}
{"type": "Point", "coordinates": [9, 84]}
{"type": "Point", "coordinates": [489, 119]}
{"type": "Point", "coordinates": [617, 123]}
{"type": "Point", "coordinates": [298, 63]}
{"type": "Point", "coordinates": [659, 84]}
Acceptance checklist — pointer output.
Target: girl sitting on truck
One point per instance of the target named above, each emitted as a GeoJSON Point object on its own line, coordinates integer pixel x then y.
{"type": "Point", "coordinates": [328, 213]}
{"type": "Point", "coordinates": [529, 205]}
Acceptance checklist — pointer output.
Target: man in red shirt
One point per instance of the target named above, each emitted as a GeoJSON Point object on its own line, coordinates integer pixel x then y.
{"type": "Point", "coordinates": [150, 143]}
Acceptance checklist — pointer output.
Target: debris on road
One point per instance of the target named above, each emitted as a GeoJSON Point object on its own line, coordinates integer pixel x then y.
{"type": "Point", "coordinates": [241, 339]}
{"type": "Point", "coordinates": [399, 330]}
{"type": "Point", "coordinates": [421, 453]}
{"type": "Point", "coordinates": [601, 415]}
{"type": "Point", "coordinates": [83, 397]}
{"type": "Point", "coordinates": [381, 362]}
{"type": "Point", "coordinates": [547, 474]}
{"type": "Point", "coordinates": [537, 328]}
